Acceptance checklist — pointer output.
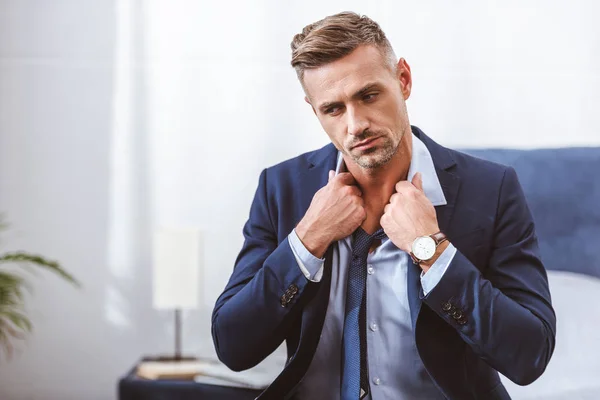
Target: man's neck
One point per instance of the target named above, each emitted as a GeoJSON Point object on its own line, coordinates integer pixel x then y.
{"type": "Point", "coordinates": [377, 185]}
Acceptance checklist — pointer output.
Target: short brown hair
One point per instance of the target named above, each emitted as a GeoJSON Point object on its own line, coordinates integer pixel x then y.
{"type": "Point", "coordinates": [335, 37]}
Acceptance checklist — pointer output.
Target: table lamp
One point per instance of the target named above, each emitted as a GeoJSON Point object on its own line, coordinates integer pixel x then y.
{"type": "Point", "coordinates": [176, 270]}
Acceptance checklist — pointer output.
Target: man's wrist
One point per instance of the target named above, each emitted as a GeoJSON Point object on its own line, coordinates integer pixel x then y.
{"type": "Point", "coordinates": [315, 245]}
{"type": "Point", "coordinates": [425, 265]}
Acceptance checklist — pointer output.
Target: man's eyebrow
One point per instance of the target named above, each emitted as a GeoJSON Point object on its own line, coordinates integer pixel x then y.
{"type": "Point", "coordinates": [327, 104]}
{"type": "Point", "coordinates": [370, 86]}
{"type": "Point", "coordinates": [365, 89]}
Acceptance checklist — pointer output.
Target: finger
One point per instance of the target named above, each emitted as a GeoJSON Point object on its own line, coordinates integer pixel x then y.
{"type": "Point", "coordinates": [346, 178]}
{"type": "Point", "coordinates": [387, 208]}
{"type": "Point", "coordinates": [383, 221]}
{"type": "Point", "coordinates": [361, 201]}
{"type": "Point", "coordinates": [418, 181]}
{"type": "Point", "coordinates": [396, 197]}
{"type": "Point", "coordinates": [354, 190]}
{"type": "Point", "coordinates": [331, 175]}
{"type": "Point", "coordinates": [364, 215]}
{"type": "Point", "coordinates": [402, 185]}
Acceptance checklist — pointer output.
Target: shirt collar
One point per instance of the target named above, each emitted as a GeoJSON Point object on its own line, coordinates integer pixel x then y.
{"type": "Point", "coordinates": [421, 162]}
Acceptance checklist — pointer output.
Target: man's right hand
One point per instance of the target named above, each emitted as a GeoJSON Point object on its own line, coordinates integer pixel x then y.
{"type": "Point", "coordinates": [335, 211]}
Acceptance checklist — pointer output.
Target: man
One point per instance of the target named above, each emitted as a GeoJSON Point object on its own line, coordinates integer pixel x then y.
{"type": "Point", "coordinates": [392, 267]}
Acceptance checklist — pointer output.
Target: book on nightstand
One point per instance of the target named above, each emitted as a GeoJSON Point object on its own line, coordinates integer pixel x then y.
{"type": "Point", "coordinates": [171, 369]}
{"type": "Point", "coordinates": [208, 372]}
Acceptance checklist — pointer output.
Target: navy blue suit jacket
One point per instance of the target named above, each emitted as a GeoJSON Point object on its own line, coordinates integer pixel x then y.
{"type": "Point", "coordinates": [490, 312]}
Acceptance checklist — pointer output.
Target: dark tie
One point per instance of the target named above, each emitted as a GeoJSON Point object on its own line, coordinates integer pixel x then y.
{"type": "Point", "coordinates": [354, 351]}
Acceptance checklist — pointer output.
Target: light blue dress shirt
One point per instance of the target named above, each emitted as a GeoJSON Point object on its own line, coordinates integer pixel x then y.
{"type": "Point", "coordinates": [395, 368]}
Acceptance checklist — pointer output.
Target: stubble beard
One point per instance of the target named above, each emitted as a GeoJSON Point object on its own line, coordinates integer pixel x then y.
{"type": "Point", "coordinates": [377, 156]}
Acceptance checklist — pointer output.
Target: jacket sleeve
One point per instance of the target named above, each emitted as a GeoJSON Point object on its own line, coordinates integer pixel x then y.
{"type": "Point", "coordinates": [504, 314]}
{"type": "Point", "coordinates": [252, 316]}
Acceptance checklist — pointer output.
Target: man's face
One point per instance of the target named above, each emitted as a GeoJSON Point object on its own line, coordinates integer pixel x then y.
{"type": "Point", "coordinates": [360, 102]}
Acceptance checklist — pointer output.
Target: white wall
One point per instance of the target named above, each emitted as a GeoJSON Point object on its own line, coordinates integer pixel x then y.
{"type": "Point", "coordinates": [116, 117]}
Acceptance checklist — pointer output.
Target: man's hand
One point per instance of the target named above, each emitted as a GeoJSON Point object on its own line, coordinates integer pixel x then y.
{"type": "Point", "coordinates": [409, 214]}
{"type": "Point", "coordinates": [335, 211]}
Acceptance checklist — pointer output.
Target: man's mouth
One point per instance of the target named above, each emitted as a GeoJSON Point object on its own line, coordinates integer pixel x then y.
{"type": "Point", "coordinates": [365, 144]}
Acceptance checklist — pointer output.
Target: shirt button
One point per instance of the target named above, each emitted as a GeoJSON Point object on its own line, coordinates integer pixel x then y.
{"type": "Point", "coordinates": [376, 381]}
{"type": "Point", "coordinates": [370, 270]}
{"type": "Point", "coordinates": [373, 326]}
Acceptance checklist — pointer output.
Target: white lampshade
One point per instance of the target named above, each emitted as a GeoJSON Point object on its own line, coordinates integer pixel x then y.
{"type": "Point", "coordinates": [176, 268]}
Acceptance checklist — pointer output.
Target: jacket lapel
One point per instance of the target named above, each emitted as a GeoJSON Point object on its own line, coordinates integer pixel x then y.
{"type": "Point", "coordinates": [315, 177]}
{"type": "Point", "coordinates": [450, 182]}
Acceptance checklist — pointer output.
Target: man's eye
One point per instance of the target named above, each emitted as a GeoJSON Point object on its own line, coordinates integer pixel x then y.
{"type": "Point", "coordinates": [332, 110]}
{"type": "Point", "coordinates": [369, 97]}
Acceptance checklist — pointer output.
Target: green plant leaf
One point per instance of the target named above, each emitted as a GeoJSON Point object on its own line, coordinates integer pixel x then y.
{"type": "Point", "coordinates": [20, 257]}
{"type": "Point", "coordinates": [14, 323]}
{"type": "Point", "coordinates": [5, 341]}
{"type": "Point", "coordinates": [19, 320]}
{"type": "Point", "coordinates": [11, 289]}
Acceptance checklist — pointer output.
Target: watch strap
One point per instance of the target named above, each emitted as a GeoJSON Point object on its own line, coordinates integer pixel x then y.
{"type": "Point", "coordinates": [438, 238]}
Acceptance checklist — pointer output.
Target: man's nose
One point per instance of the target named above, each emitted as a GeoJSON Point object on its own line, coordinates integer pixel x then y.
{"type": "Point", "coordinates": [357, 122]}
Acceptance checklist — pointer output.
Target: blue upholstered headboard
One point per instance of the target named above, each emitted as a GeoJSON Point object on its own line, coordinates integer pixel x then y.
{"type": "Point", "coordinates": [562, 187]}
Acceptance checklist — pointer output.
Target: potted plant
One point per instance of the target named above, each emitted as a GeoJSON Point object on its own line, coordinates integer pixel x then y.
{"type": "Point", "coordinates": [14, 323]}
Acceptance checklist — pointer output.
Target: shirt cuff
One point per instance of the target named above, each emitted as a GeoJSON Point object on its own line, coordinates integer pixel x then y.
{"type": "Point", "coordinates": [435, 273]}
{"type": "Point", "coordinates": [311, 266]}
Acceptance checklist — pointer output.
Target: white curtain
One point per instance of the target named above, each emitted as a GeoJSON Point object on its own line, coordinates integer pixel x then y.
{"type": "Point", "coordinates": [205, 98]}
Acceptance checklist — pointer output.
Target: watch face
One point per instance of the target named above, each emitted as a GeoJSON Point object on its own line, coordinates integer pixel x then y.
{"type": "Point", "coordinates": [423, 248]}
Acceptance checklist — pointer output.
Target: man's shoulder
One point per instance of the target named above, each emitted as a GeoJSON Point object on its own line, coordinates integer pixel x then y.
{"type": "Point", "coordinates": [461, 162]}
{"type": "Point", "coordinates": [477, 166]}
{"type": "Point", "coordinates": [484, 177]}
{"type": "Point", "coordinates": [476, 174]}
{"type": "Point", "coordinates": [303, 161]}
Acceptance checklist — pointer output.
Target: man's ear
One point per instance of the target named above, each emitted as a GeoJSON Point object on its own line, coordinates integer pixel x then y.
{"type": "Point", "coordinates": [310, 104]}
{"type": "Point", "coordinates": [404, 77]}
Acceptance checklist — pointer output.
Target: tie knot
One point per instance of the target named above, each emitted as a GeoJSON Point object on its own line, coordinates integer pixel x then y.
{"type": "Point", "coordinates": [363, 241]}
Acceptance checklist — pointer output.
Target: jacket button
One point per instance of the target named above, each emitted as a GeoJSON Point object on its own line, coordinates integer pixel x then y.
{"type": "Point", "coordinates": [461, 321]}
{"type": "Point", "coordinates": [293, 289]}
{"type": "Point", "coordinates": [446, 306]}
{"type": "Point", "coordinates": [284, 300]}
{"type": "Point", "coordinates": [456, 314]}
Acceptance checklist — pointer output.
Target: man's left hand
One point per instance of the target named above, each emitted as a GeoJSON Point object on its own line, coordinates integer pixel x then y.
{"type": "Point", "coordinates": [409, 214]}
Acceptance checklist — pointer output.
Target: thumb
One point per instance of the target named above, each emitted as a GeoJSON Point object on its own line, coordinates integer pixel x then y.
{"type": "Point", "coordinates": [331, 175]}
{"type": "Point", "coordinates": [418, 181]}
